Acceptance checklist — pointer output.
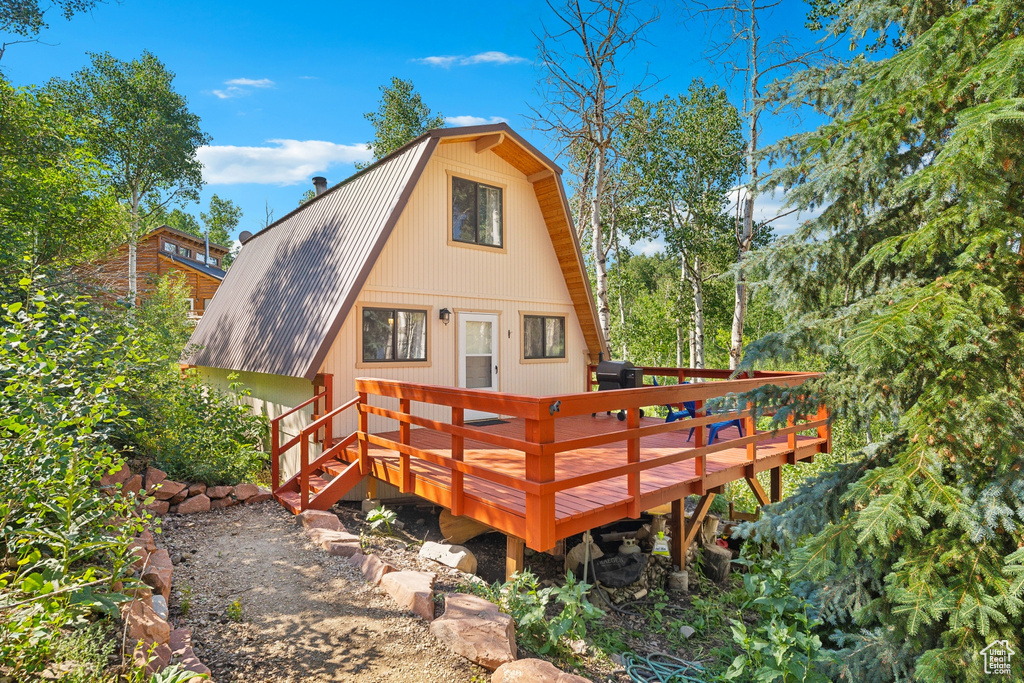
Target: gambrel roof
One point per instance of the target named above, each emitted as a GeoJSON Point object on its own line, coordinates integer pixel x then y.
{"type": "Point", "coordinates": [288, 292]}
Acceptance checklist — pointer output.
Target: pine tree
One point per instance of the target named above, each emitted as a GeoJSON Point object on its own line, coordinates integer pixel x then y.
{"type": "Point", "coordinates": [910, 283]}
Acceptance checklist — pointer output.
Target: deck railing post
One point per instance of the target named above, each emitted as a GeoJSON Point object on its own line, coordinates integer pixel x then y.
{"type": "Point", "coordinates": [633, 456]}
{"type": "Point", "coordinates": [364, 430]}
{"type": "Point", "coordinates": [701, 462]}
{"type": "Point", "coordinates": [540, 468]}
{"type": "Point", "coordinates": [750, 427]}
{"type": "Point", "coordinates": [303, 470]}
{"type": "Point", "coordinates": [458, 444]}
{"type": "Point", "coordinates": [328, 407]}
{"type": "Point", "coordinates": [275, 454]}
{"type": "Point", "coordinates": [404, 436]}
{"type": "Point", "coordinates": [824, 432]}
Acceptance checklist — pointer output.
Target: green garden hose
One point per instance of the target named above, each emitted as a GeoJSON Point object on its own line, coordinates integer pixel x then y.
{"type": "Point", "coordinates": [659, 667]}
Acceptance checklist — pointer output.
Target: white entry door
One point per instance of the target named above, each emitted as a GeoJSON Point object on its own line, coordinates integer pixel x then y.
{"type": "Point", "coordinates": [478, 356]}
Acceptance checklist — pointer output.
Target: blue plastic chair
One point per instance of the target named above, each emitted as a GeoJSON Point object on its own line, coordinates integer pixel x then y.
{"type": "Point", "coordinates": [690, 411]}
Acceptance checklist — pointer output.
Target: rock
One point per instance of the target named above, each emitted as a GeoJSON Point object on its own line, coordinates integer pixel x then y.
{"type": "Point", "coordinates": [412, 590]}
{"type": "Point", "coordinates": [194, 504]}
{"type": "Point", "coordinates": [176, 559]}
{"type": "Point", "coordinates": [477, 630]}
{"type": "Point", "coordinates": [261, 497]}
{"type": "Point", "coordinates": [168, 489]}
{"type": "Point", "coordinates": [455, 556]}
{"type": "Point", "coordinates": [246, 491]}
{"type": "Point", "coordinates": [133, 486]}
{"type": "Point", "coordinates": [142, 623]}
{"type": "Point", "coordinates": [155, 659]}
{"type": "Point", "coordinates": [533, 671]}
{"type": "Point", "coordinates": [140, 592]}
{"type": "Point", "coordinates": [686, 631]}
{"type": "Point", "coordinates": [195, 490]}
{"type": "Point", "coordinates": [154, 477]}
{"type": "Point", "coordinates": [320, 519]}
{"type": "Point", "coordinates": [160, 606]}
{"type": "Point", "coordinates": [338, 543]}
{"type": "Point", "coordinates": [182, 652]}
{"type": "Point", "coordinates": [179, 497]}
{"type": "Point", "coordinates": [118, 476]}
{"type": "Point", "coordinates": [218, 491]}
{"type": "Point", "coordinates": [222, 503]}
{"type": "Point", "coordinates": [158, 507]}
{"type": "Point", "coordinates": [679, 581]}
{"type": "Point", "coordinates": [373, 567]}
{"type": "Point", "coordinates": [717, 563]}
{"type": "Point", "coordinates": [370, 504]}
{"type": "Point", "coordinates": [158, 573]}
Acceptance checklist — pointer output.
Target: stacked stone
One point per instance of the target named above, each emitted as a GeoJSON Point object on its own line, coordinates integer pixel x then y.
{"type": "Point", "coordinates": [178, 497]}
{"type": "Point", "coordinates": [655, 577]}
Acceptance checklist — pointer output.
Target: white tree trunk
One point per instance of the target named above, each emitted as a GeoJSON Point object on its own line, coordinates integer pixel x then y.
{"type": "Point", "coordinates": [739, 312]}
{"type": "Point", "coordinates": [133, 249]}
{"type": "Point", "coordinates": [698, 312]}
{"type": "Point", "coordinates": [600, 266]}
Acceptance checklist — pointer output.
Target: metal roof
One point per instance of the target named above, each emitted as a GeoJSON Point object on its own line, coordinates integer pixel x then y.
{"type": "Point", "coordinates": [288, 292]}
{"type": "Point", "coordinates": [196, 265]}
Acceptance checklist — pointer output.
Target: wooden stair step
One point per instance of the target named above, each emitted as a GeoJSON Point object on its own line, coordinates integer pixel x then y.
{"type": "Point", "coordinates": [334, 467]}
{"type": "Point", "coordinates": [318, 483]}
{"type": "Point", "coordinates": [290, 500]}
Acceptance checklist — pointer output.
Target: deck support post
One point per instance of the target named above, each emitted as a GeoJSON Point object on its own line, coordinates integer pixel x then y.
{"type": "Point", "coordinates": [514, 556]}
{"type": "Point", "coordinates": [404, 435]}
{"type": "Point", "coordinates": [328, 407]}
{"type": "Point", "coordinates": [791, 439]}
{"type": "Point", "coordinates": [275, 455]}
{"type": "Point", "coordinates": [364, 431]}
{"type": "Point", "coordinates": [759, 493]}
{"type": "Point", "coordinates": [824, 432]}
{"type": "Point", "coordinates": [540, 468]}
{"type": "Point", "coordinates": [458, 444]}
{"type": "Point", "coordinates": [683, 530]}
{"type": "Point", "coordinates": [776, 484]}
{"type": "Point", "coordinates": [700, 464]}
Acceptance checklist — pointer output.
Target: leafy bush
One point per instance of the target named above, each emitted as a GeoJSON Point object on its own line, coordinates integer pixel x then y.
{"type": "Point", "coordinates": [381, 516]}
{"type": "Point", "coordinates": [527, 603]}
{"type": "Point", "coordinates": [63, 541]}
{"type": "Point", "coordinates": [200, 434]}
{"type": "Point", "coordinates": [782, 647]}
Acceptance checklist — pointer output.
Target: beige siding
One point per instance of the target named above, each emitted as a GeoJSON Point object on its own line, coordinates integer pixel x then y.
{"type": "Point", "coordinates": [419, 268]}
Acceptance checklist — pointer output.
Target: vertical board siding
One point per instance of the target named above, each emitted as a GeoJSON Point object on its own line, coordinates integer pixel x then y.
{"type": "Point", "coordinates": [419, 268]}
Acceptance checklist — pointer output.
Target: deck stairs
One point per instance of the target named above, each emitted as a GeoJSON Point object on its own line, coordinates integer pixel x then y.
{"type": "Point", "coordinates": [331, 475]}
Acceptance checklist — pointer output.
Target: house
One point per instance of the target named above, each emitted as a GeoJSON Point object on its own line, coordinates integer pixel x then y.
{"type": "Point", "coordinates": [159, 252]}
{"type": "Point", "coordinates": [426, 328]}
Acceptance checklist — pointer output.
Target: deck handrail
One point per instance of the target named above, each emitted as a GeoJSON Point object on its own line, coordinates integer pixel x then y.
{"type": "Point", "coordinates": [540, 445]}
{"type": "Point", "coordinates": [277, 449]}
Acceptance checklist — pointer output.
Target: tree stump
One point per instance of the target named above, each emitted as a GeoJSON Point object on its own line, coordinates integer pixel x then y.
{"type": "Point", "coordinates": [717, 563]}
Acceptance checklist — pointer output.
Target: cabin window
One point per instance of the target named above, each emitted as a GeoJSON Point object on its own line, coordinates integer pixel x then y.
{"type": "Point", "coordinates": [170, 248]}
{"type": "Point", "coordinates": [182, 251]}
{"type": "Point", "coordinates": [476, 213]}
{"type": "Point", "coordinates": [210, 260]}
{"type": "Point", "coordinates": [206, 304]}
{"type": "Point", "coordinates": [394, 335]}
{"type": "Point", "coordinates": [543, 336]}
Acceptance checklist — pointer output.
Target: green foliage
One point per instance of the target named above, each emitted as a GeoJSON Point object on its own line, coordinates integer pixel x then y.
{"type": "Point", "coordinates": [782, 647]}
{"type": "Point", "coordinates": [222, 219]}
{"type": "Point", "coordinates": [381, 517]}
{"type": "Point", "coordinates": [157, 214]}
{"type": "Point", "coordinates": [162, 325]}
{"type": "Point", "coordinates": [401, 117]}
{"type": "Point", "coordinates": [55, 206]}
{"type": "Point", "coordinates": [533, 608]}
{"type": "Point", "coordinates": [27, 18]}
{"type": "Point", "coordinates": [909, 285]}
{"type": "Point", "coordinates": [65, 541]}
{"type": "Point", "coordinates": [234, 611]}
{"type": "Point", "coordinates": [197, 433]}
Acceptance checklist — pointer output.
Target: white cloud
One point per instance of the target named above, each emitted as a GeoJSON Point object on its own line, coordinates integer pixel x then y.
{"type": "Point", "coordinates": [472, 120]}
{"type": "Point", "coordinates": [237, 87]}
{"type": "Point", "coordinates": [489, 57]}
{"type": "Point", "coordinates": [280, 162]}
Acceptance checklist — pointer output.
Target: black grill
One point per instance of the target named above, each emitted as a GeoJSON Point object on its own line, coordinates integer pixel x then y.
{"type": "Point", "coordinates": [619, 374]}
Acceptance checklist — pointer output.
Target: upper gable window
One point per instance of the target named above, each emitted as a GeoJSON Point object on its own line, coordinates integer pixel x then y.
{"type": "Point", "coordinates": [476, 213]}
{"type": "Point", "coordinates": [170, 248]}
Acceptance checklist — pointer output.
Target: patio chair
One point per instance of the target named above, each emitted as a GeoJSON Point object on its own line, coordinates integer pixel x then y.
{"type": "Point", "coordinates": [690, 410]}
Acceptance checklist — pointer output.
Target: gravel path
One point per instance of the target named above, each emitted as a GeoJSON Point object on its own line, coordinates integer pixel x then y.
{"type": "Point", "coordinates": [305, 616]}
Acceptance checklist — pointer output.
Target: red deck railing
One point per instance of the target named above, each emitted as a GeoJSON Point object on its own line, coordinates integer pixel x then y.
{"type": "Point", "coordinates": [322, 400]}
{"type": "Point", "coordinates": [540, 446]}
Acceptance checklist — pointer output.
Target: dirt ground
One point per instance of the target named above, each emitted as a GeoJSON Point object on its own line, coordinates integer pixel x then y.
{"type": "Point", "coordinates": [304, 615]}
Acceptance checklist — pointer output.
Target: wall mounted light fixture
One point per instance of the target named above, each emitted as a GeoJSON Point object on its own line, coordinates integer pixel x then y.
{"type": "Point", "coordinates": [446, 316]}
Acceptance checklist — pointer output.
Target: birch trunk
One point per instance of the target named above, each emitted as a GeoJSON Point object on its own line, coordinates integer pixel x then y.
{"type": "Point", "coordinates": [600, 265]}
{"type": "Point", "coordinates": [133, 252]}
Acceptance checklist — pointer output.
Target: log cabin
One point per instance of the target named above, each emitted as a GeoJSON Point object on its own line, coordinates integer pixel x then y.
{"type": "Point", "coordinates": [159, 252]}
{"type": "Point", "coordinates": [426, 328]}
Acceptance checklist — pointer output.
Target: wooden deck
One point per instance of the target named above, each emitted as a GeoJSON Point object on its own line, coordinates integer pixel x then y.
{"type": "Point", "coordinates": [589, 505]}
{"type": "Point", "coordinates": [554, 466]}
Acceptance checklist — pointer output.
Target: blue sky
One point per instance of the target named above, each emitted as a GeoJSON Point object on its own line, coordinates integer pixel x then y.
{"type": "Point", "coordinates": [282, 87]}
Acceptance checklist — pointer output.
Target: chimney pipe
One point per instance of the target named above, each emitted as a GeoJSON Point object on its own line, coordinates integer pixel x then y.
{"type": "Point", "coordinates": [319, 185]}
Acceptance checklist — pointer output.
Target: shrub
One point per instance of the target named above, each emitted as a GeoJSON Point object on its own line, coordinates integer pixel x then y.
{"type": "Point", "coordinates": [64, 542]}
{"type": "Point", "coordinates": [200, 434]}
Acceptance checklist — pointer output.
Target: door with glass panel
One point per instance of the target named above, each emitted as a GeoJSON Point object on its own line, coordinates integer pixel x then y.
{"type": "Point", "coordinates": [478, 356]}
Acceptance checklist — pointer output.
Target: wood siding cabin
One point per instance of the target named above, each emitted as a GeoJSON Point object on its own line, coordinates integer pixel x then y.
{"type": "Point", "coordinates": [159, 252]}
{"type": "Point", "coordinates": [426, 328]}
